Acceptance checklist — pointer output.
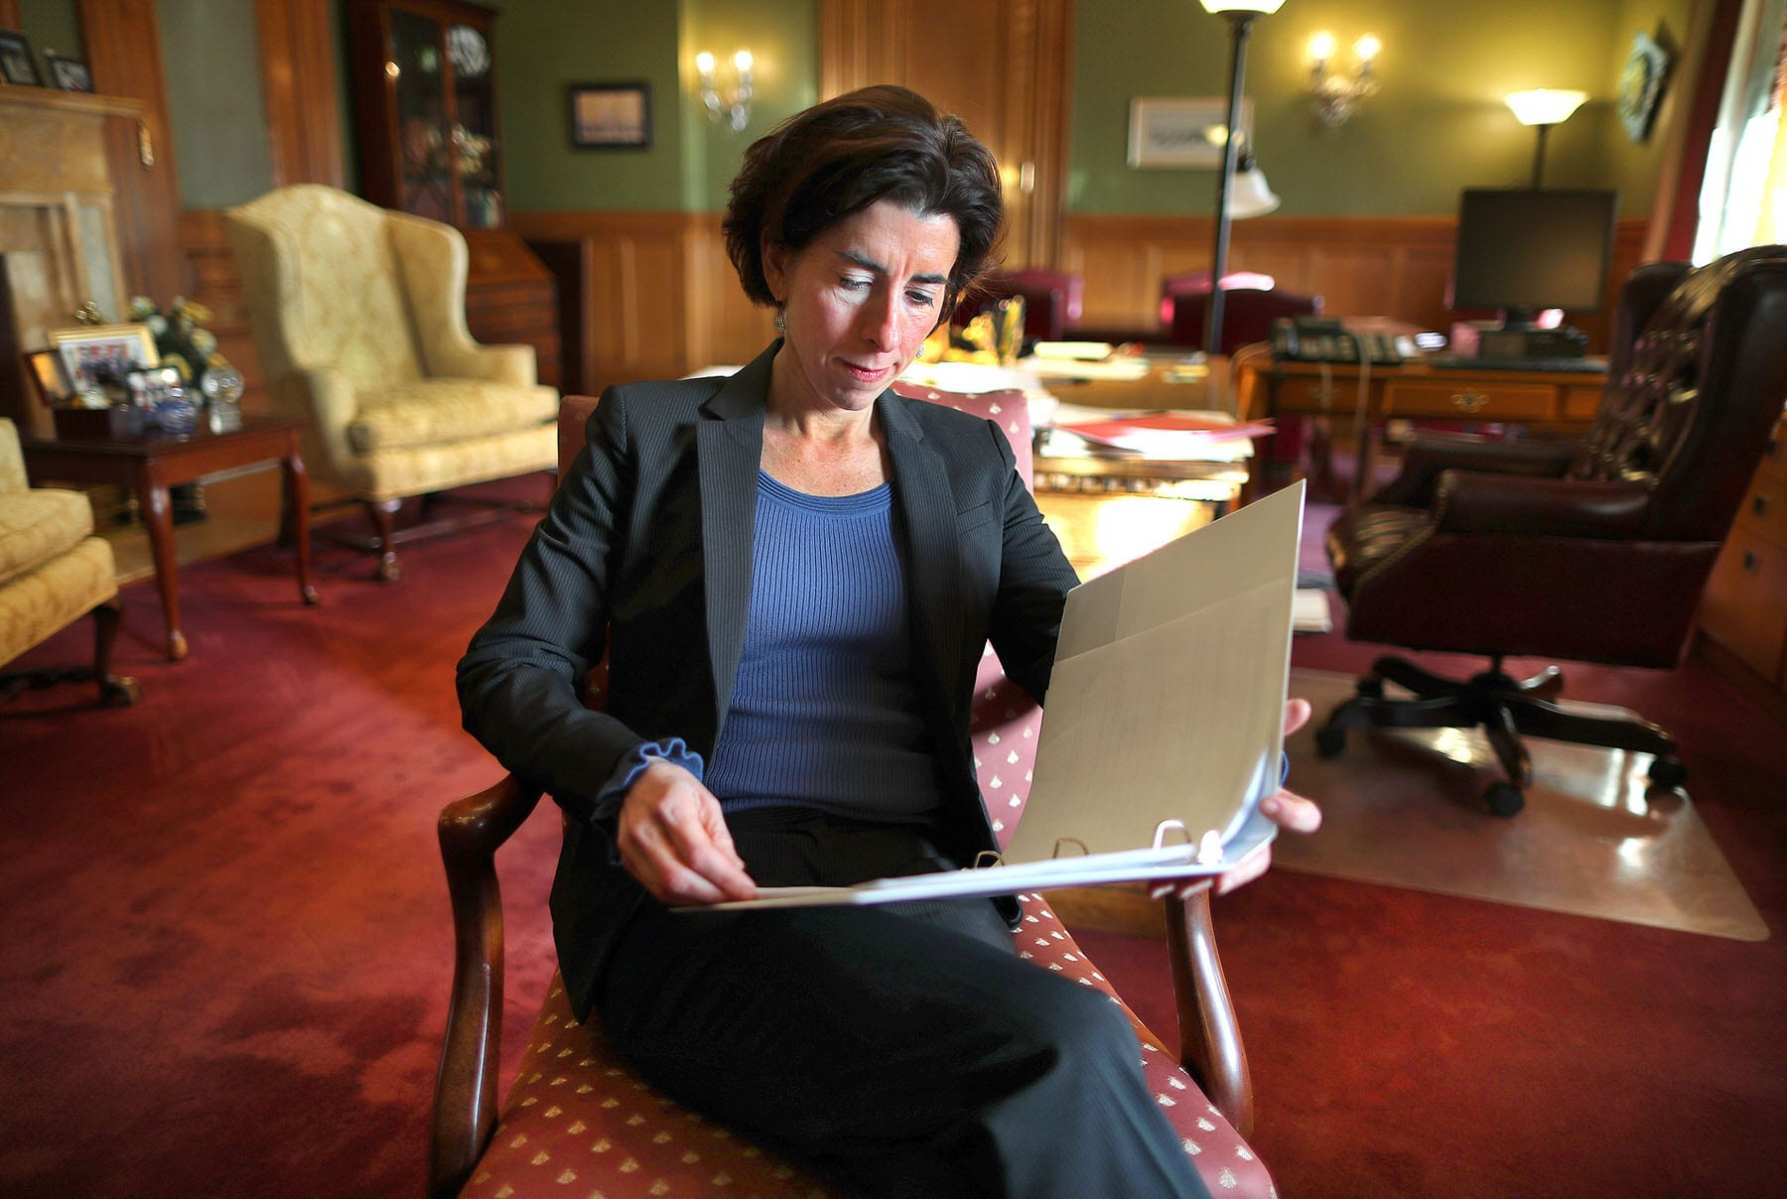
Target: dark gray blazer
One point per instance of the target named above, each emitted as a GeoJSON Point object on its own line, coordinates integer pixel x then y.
{"type": "Point", "coordinates": [646, 552]}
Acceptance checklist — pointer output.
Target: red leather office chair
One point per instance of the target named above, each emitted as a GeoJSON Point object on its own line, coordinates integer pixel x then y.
{"type": "Point", "coordinates": [1052, 300]}
{"type": "Point", "coordinates": [1594, 550]}
{"type": "Point", "coordinates": [1250, 303]}
{"type": "Point", "coordinates": [577, 1120]}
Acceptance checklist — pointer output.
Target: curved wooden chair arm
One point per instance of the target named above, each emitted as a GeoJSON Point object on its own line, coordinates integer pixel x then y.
{"type": "Point", "coordinates": [466, 1087]}
{"type": "Point", "coordinates": [1210, 1046]}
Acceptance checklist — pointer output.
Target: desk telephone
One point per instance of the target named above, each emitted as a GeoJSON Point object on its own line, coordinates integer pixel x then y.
{"type": "Point", "coordinates": [1314, 339]}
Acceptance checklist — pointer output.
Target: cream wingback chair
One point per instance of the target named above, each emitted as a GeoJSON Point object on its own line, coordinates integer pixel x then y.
{"type": "Point", "coordinates": [53, 571]}
{"type": "Point", "coordinates": [359, 317]}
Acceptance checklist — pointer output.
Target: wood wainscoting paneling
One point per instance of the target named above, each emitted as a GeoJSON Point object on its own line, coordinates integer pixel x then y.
{"type": "Point", "coordinates": [212, 280]}
{"type": "Point", "coordinates": [652, 295]}
{"type": "Point", "coordinates": [661, 297]}
{"type": "Point", "coordinates": [1398, 267]}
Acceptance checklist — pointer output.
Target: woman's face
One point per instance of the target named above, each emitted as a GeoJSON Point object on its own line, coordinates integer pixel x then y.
{"type": "Point", "coordinates": [860, 299]}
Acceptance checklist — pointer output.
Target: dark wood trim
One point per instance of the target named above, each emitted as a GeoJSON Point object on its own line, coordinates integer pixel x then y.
{"type": "Point", "coordinates": [862, 42]}
{"type": "Point", "coordinates": [123, 46]}
{"type": "Point", "coordinates": [1210, 1045]}
{"type": "Point", "coordinates": [298, 79]}
{"type": "Point", "coordinates": [466, 1087]}
{"type": "Point", "coordinates": [1676, 213]}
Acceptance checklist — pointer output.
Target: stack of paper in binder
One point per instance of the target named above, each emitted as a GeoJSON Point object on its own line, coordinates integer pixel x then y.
{"type": "Point", "coordinates": [1163, 726]}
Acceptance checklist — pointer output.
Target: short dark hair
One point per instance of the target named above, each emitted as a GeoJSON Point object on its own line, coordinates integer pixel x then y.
{"type": "Point", "coordinates": [835, 159]}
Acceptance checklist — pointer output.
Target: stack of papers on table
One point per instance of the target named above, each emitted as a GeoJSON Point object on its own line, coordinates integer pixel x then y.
{"type": "Point", "coordinates": [1121, 369]}
{"type": "Point", "coordinates": [1310, 612]}
{"type": "Point", "coordinates": [1164, 725]}
{"type": "Point", "coordinates": [1078, 431]}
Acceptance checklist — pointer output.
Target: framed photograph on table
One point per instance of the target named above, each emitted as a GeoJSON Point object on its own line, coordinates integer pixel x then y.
{"type": "Point", "coordinates": [68, 74]}
{"type": "Point", "coordinates": [17, 67]}
{"type": "Point", "coordinates": [50, 379]}
{"type": "Point", "coordinates": [92, 353]}
{"type": "Point", "coordinates": [1179, 133]}
{"type": "Point", "coordinates": [610, 116]}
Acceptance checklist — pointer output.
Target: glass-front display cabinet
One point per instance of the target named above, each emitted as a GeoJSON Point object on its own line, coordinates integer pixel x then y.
{"type": "Point", "coordinates": [425, 99]}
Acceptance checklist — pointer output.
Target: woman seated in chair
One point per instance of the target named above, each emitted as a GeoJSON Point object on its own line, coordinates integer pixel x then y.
{"type": "Point", "coordinates": [793, 572]}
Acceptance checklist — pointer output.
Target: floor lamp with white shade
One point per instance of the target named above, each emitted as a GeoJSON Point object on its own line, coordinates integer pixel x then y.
{"type": "Point", "coordinates": [1241, 15]}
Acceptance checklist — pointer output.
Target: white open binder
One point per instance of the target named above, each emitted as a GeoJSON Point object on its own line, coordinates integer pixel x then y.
{"type": "Point", "coordinates": [1164, 726]}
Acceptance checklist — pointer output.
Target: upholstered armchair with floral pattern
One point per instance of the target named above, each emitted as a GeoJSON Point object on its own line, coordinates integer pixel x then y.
{"type": "Point", "coordinates": [53, 571]}
{"type": "Point", "coordinates": [359, 317]}
{"type": "Point", "coordinates": [578, 1121]}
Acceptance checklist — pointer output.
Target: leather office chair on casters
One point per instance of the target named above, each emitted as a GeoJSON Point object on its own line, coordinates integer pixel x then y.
{"type": "Point", "coordinates": [578, 1120]}
{"type": "Point", "coordinates": [1595, 550]}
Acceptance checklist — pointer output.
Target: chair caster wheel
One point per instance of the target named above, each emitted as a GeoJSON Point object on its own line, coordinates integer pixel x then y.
{"type": "Point", "coordinates": [1369, 687]}
{"type": "Point", "coordinates": [1504, 800]}
{"type": "Point", "coordinates": [1668, 772]}
{"type": "Point", "coordinates": [1330, 743]}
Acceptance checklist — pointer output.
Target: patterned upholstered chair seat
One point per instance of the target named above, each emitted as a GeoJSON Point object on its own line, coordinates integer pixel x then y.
{"type": "Point", "coordinates": [442, 411]}
{"type": "Point", "coordinates": [578, 1121]}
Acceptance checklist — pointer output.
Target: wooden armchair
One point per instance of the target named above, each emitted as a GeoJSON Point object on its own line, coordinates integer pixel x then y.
{"type": "Point", "coordinates": [577, 1115]}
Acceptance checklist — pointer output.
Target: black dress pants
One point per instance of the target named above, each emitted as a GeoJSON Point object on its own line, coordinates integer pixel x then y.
{"type": "Point", "coordinates": [902, 1050]}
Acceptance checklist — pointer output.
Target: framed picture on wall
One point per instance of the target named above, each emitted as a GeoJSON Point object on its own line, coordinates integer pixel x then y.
{"type": "Point", "coordinates": [69, 74]}
{"type": "Point", "coordinates": [17, 67]}
{"type": "Point", "coordinates": [610, 116]}
{"type": "Point", "coordinates": [1179, 133]}
{"type": "Point", "coordinates": [1641, 86]}
{"type": "Point", "coordinates": [91, 353]}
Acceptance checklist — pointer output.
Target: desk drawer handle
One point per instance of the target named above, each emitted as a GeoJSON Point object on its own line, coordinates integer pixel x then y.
{"type": "Point", "coordinates": [1750, 561]}
{"type": "Point", "coordinates": [1759, 505]}
{"type": "Point", "coordinates": [1469, 401]}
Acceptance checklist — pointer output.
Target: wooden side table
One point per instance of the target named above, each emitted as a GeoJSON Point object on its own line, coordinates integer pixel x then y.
{"type": "Point", "coordinates": [151, 465]}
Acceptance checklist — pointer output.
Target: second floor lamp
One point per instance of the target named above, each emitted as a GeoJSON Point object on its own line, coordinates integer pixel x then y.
{"type": "Point", "coordinates": [1241, 15]}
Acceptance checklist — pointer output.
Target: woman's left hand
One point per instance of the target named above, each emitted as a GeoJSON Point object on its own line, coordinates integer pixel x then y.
{"type": "Point", "coordinates": [1287, 809]}
{"type": "Point", "coordinates": [1284, 808]}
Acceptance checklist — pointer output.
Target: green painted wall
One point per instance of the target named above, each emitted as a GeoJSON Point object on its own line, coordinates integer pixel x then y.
{"type": "Point", "coordinates": [542, 46]}
{"type": "Point", "coordinates": [51, 25]}
{"type": "Point", "coordinates": [783, 37]}
{"type": "Point", "coordinates": [1438, 124]}
{"type": "Point", "coordinates": [1633, 166]}
{"type": "Point", "coordinates": [210, 52]}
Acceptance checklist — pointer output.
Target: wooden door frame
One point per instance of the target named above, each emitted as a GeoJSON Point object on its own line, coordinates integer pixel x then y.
{"type": "Point", "coordinates": [867, 41]}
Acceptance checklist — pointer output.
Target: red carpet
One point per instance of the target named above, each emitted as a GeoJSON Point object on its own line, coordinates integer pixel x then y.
{"type": "Point", "coordinates": [226, 941]}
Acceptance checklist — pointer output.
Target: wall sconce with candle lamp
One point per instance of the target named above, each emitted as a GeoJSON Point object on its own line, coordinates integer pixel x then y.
{"type": "Point", "coordinates": [1337, 95]}
{"type": "Point", "coordinates": [735, 108]}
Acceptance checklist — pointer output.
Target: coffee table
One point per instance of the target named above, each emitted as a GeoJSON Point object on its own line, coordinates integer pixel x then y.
{"type": "Point", "coordinates": [150, 465]}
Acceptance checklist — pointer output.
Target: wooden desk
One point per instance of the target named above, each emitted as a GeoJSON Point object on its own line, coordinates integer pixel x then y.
{"type": "Point", "coordinates": [151, 465]}
{"type": "Point", "coordinates": [1558, 400]}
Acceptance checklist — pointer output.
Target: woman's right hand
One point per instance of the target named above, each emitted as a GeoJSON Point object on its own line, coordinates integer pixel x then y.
{"type": "Point", "coordinates": [672, 838]}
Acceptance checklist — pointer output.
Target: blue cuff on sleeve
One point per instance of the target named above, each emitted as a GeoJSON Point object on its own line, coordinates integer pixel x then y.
{"type": "Point", "coordinates": [1284, 768]}
{"type": "Point", "coordinates": [672, 749]}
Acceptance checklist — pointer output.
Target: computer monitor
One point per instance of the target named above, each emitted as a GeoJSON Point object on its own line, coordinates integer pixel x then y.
{"type": "Point", "coordinates": [1523, 249]}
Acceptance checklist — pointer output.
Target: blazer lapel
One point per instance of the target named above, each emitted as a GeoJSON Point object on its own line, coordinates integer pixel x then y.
{"type": "Point", "coordinates": [729, 451]}
{"type": "Point", "coordinates": [933, 550]}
